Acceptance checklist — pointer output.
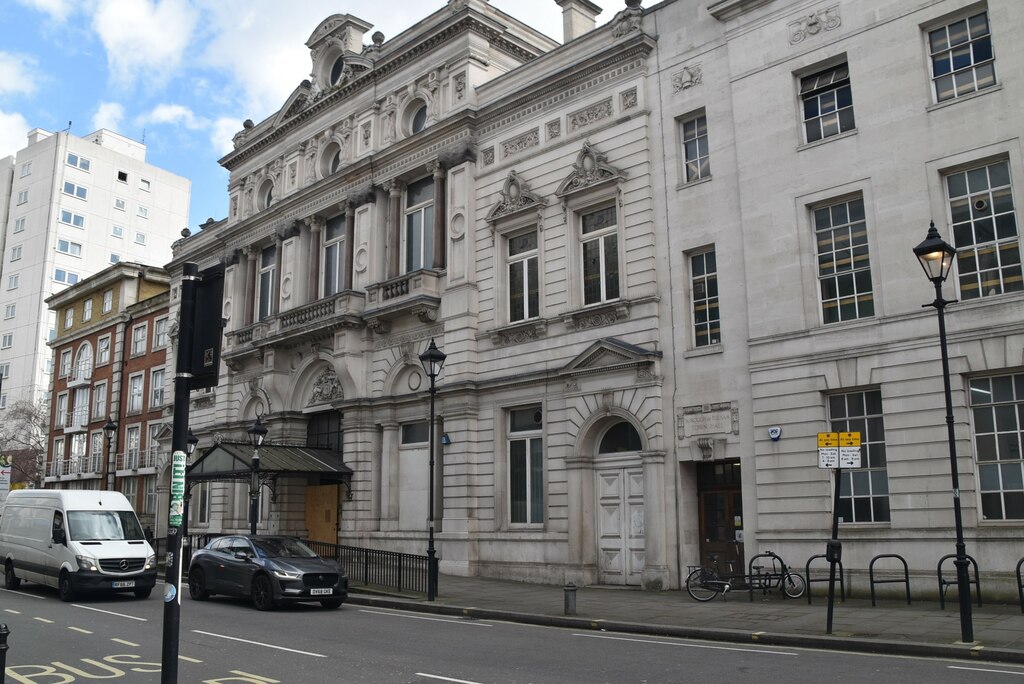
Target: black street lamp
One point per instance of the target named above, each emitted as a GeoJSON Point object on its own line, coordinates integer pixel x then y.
{"type": "Point", "coordinates": [109, 430]}
{"type": "Point", "coordinates": [432, 360]}
{"type": "Point", "coordinates": [192, 443]}
{"type": "Point", "coordinates": [936, 257]}
{"type": "Point", "coordinates": [257, 433]}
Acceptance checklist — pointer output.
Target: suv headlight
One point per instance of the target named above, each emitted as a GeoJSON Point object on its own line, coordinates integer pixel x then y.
{"type": "Point", "coordinates": [87, 564]}
{"type": "Point", "coordinates": [150, 562]}
{"type": "Point", "coordinates": [284, 574]}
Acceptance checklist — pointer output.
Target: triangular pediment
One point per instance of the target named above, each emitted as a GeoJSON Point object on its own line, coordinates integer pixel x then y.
{"type": "Point", "coordinates": [591, 169]}
{"type": "Point", "coordinates": [609, 352]}
{"type": "Point", "coordinates": [297, 101]}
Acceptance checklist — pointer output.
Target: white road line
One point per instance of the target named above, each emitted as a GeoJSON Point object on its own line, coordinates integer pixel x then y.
{"type": "Point", "coordinates": [255, 678]}
{"type": "Point", "coordinates": [126, 643]}
{"type": "Point", "coordinates": [445, 679]}
{"type": "Point", "coordinates": [21, 593]}
{"type": "Point", "coordinates": [982, 669]}
{"type": "Point", "coordinates": [79, 629]}
{"type": "Point", "coordinates": [109, 612]}
{"type": "Point", "coordinates": [258, 643]}
{"type": "Point", "coordinates": [13, 612]}
{"type": "Point", "coordinates": [189, 660]}
{"type": "Point", "coordinates": [420, 617]}
{"type": "Point", "coordinates": [688, 645]}
{"type": "Point", "coordinates": [49, 622]}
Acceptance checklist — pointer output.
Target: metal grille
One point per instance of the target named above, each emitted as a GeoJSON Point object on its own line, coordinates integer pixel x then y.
{"type": "Point", "coordinates": [122, 564]}
{"type": "Point", "coordinates": [320, 579]}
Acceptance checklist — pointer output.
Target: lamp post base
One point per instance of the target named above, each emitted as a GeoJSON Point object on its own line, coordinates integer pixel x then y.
{"type": "Point", "coordinates": [431, 574]}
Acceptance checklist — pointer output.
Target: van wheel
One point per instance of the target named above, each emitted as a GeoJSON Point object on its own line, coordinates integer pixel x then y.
{"type": "Point", "coordinates": [143, 593]}
{"type": "Point", "coordinates": [11, 581]}
{"type": "Point", "coordinates": [64, 588]}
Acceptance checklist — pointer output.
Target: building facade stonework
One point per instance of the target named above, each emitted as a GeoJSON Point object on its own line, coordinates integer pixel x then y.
{"type": "Point", "coordinates": [649, 316]}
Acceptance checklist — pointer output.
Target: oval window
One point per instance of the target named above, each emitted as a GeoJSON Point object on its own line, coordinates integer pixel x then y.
{"type": "Point", "coordinates": [337, 70]}
{"type": "Point", "coordinates": [419, 119]}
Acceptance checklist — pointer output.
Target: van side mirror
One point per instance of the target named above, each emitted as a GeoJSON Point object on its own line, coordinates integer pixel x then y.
{"type": "Point", "coordinates": [60, 537]}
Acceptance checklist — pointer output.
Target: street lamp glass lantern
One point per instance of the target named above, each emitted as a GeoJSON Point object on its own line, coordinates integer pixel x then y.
{"type": "Point", "coordinates": [193, 442]}
{"type": "Point", "coordinates": [432, 360]}
{"type": "Point", "coordinates": [257, 433]}
{"type": "Point", "coordinates": [109, 429]}
{"type": "Point", "coordinates": [936, 255]}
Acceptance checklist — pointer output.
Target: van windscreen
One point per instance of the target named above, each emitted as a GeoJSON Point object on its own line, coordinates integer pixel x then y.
{"type": "Point", "coordinates": [104, 526]}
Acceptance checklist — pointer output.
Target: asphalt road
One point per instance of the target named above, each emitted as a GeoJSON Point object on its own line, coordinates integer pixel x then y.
{"type": "Point", "coordinates": [226, 640]}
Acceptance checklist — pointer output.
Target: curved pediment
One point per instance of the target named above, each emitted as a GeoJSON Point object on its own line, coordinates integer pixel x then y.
{"type": "Point", "coordinates": [515, 198]}
{"type": "Point", "coordinates": [591, 169]}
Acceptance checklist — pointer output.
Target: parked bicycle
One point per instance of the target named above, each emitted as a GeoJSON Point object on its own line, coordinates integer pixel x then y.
{"type": "Point", "coordinates": [706, 582]}
{"type": "Point", "coordinates": [774, 574]}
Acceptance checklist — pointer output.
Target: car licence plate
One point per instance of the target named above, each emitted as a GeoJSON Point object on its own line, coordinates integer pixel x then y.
{"type": "Point", "coordinates": [319, 592]}
{"type": "Point", "coordinates": [125, 584]}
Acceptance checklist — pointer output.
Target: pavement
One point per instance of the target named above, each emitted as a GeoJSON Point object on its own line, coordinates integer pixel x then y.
{"type": "Point", "coordinates": [893, 627]}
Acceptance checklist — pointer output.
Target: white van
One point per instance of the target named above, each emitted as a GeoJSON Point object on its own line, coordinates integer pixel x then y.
{"type": "Point", "coordinates": [75, 540]}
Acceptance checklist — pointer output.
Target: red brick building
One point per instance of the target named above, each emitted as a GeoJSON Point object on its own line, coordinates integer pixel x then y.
{"type": "Point", "coordinates": [111, 384]}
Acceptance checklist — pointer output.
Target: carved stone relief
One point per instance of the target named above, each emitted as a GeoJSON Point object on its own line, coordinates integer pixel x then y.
{"type": "Point", "coordinates": [326, 388]}
{"type": "Point", "coordinates": [554, 128]}
{"type": "Point", "coordinates": [590, 115]}
{"type": "Point", "coordinates": [487, 156]}
{"type": "Point", "coordinates": [515, 197]}
{"type": "Point", "coordinates": [629, 99]}
{"type": "Point", "coordinates": [691, 75]}
{"type": "Point", "coordinates": [460, 87]}
{"type": "Point", "coordinates": [826, 19]}
{"type": "Point", "coordinates": [520, 143]}
{"type": "Point", "coordinates": [591, 168]}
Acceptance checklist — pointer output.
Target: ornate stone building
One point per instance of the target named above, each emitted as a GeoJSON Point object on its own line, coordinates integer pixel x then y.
{"type": "Point", "coordinates": [660, 257]}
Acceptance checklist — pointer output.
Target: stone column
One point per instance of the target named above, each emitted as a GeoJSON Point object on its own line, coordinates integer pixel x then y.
{"type": "Point", "coordinates": [249, 300]}
{"type": "Point", "coordinates": [350, 243]}
{"type": "Point", "coordinates": [316, 225]}
{"type": "Point", "coordinates": [440, 213]}
{"type": "Point", "coordinates": [275, 302]}
{"type": "Point", "coordinates": [656, 574]}
{"type": "Point", "coordinates": [394, 248]}
{"type": "Point", "coordinates": [389, 477]}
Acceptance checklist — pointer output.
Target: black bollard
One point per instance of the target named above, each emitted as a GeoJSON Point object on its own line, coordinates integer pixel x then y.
{"type": "Point", "coordinates": [570, 599]}
{"type": "Point", "coordinates": [3, 652]}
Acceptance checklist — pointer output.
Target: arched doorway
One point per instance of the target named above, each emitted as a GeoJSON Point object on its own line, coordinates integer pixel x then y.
{"type": "Point", "coordinates": [619, 489]}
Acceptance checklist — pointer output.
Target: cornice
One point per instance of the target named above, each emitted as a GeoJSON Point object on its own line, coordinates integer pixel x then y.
{"type": "Point", "coordinates": [379, 72]}
{"type": "Point", "coordinates": [724, 10]}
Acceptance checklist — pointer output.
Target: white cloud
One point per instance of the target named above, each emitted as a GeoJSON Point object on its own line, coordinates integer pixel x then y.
{"type": "Point", "coordinates": [57, 9]}
{"type": "Point", "coordinates": [144, 38]}
{"type": "Point", "coordinates": [108, 115]}
{"type": "Point", "coordinates": [224, 130]}
{"type": "Point", "coordinates": [16, 74]}
{"type": "Point", "coordinates": [13, 129]}
{"type": "Point", "coordinates": [175, 114]}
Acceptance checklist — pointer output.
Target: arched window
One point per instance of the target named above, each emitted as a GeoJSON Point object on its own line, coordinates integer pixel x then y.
{"type": "Point", "coordinates": [83, 364]}
{"type": "Point", "coordinates": [330, 162]}
{"type": "Point", "coordinates": [266, 195]}
{"type": "Point", "coordinates": [621, 437]}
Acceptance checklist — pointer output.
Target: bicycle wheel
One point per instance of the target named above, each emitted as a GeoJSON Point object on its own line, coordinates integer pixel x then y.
{"type": "Point", "coordinates": [793, 585]}
{"type": "Point", "coordinates": [697, 587]}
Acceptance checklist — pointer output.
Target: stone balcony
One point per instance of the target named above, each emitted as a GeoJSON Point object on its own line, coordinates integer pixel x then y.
{"type": "Point", "coordinates": [303, 324]}
{"type": "Point", "coordinates": [412, 294]}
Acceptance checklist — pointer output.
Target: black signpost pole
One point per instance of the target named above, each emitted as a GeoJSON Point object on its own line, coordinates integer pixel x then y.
{"type": "Point", "coordinates": [179, 445]}
{"type": "Point", "coordinates": [833, 551]}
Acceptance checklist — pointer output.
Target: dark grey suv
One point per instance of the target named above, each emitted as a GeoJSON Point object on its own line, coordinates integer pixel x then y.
{"type": "Point", "coordinates": [269, 570]}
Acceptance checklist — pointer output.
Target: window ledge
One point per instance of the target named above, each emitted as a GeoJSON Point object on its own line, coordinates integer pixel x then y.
{"type": "Point", "coordinates": [963, 98]}
{"type": "Point", "coordinates": [518, 333]}
{"type": "Point", "coordinates": [690, 184]}
{"type": "Point", "coordinates": [825, 141]}
{"type": "Point", "coordinates": [597, 315]}
{"type": "Point", "coordinates": [704, 351]}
